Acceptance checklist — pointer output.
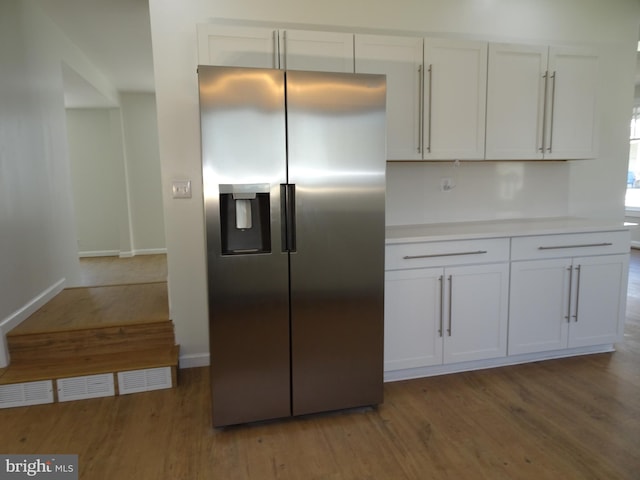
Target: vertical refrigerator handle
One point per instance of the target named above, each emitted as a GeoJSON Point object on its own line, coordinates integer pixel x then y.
{"type": "Point", "coordinates": [288, 216]}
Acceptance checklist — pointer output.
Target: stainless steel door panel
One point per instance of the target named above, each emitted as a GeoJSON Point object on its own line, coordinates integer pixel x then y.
{"type": "Point", "coordinates": [336, 144]}
{"type": "Point", "coordinates": [243, 143]}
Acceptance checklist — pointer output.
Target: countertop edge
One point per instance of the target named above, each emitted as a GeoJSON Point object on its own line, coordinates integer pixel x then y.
{"type": "Point", "coordinates": [398, 234]}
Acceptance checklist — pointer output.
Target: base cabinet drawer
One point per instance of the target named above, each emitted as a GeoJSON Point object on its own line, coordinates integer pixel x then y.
{"type": "Point", "coordinates": [456, 252]}
{"type": "Point", "coordinates": [569, 245]}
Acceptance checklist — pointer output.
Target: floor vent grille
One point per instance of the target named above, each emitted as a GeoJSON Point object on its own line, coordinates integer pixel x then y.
{"type": "Point", "coordinates": [91, 386]}
{"type": "Point", "coordinates": [23, 394]}
{"type": "Point", "coordinates": [134, 381]}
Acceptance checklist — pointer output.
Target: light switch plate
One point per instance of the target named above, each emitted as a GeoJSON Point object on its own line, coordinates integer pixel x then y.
{"type": "Point", "coordinates": [181, 188]}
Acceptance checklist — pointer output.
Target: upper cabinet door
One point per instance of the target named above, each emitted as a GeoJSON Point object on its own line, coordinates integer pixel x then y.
{"type": "Point", "coordinates": [517, 85]}
{"type": "Point", "coordinates": [571, 104]}
{"type": "Point", "coordinates": [237, 46]}
{"type": "Point", "coordinates": [455, 99]}
{"type": "Point", "coordinates": [400, 58]}
{"type": "Point", "coordinates": [316, 51]}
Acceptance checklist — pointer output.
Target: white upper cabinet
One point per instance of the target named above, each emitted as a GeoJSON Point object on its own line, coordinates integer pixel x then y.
{"type": "Point", "coordinates": [515, 101]}
{"type": "Point", "coordinates": [541, 103]}
{"type": "Point", "coordinates": [572, 100]}
{"type": "Point", "coordinates": [455, 99]}
{"type": "Point", "coordinates": [318, 51]}
{"type": "Point", "coordinates": [436, 95]}
{"type": "Point", "coordinates": [400, 58]}
{"type": "Point", "coordinates": [237, 46]}
{"type": "Point", "coordinates": [446, 99]}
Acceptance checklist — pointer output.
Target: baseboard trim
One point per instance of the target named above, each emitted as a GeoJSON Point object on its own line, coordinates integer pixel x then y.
{"type": "Point", "coordinates": [144, 251]}
{"type": "Point", "coordinates": [421, 372]}
{"type": "Point", "coordinates": [121, 254]}
{"type": "Point", "coordinates": [17, 317]}
{"type": "Point", "coordinates": [99, 253]}
{"type": "Point", "coordinates": [195, 360]}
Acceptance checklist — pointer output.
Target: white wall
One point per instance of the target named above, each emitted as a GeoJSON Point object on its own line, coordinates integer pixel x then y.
{"type": "Point", "coordinates": [634, 217]}
{"type": "Point", "coordinates": [483, 191]}
{"type": "Point", "coordinates": [98, 179]}
{"type": "Point", "coordinates": [115, 167]}
{"type": "Point", "coordinates": [594, 187]}
{"type": "Point", "coordinates": [37, 244]}
{"type": "Point", "coordinates": [37, 228]}
{"type": "Point", "coordinates": [140, 127]}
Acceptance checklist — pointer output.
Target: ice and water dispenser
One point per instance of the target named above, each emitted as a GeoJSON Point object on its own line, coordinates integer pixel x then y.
{"type": "Point", "coordinates": [245, 223]}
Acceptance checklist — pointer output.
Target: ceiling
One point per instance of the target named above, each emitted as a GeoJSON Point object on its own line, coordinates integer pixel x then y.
{"type": "Point", "coordinates": [115, 35]}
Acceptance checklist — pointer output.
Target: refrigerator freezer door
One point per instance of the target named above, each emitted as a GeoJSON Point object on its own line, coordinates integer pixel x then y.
{"type": "Point", "coordinates": [243, 145]}
{"type": "Point", "coordinates": [337, 150]}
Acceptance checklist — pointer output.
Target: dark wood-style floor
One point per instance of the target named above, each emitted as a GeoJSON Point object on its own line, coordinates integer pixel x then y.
{"type": "Point", "coordinates": [576, 418]}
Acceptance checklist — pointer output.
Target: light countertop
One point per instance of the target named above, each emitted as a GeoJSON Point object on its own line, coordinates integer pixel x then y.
{"type": "Point", "coordinates": [500, 228]}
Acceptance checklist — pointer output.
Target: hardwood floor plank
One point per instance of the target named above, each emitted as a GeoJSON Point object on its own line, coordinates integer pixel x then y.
{"type": "Point", "coordinates": [91, 365]}
{"type": "Point", "coordinates": [75, 308]}
{"type": "Point", "coordinates": [496, 424]}
{"type": "Point", "coordinates": [61, 346]}
{"type": "Point", "coordinates": [571, 419]}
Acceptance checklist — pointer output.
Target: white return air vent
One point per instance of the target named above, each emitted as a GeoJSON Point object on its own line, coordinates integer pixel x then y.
{"type": "Point", "coordinates": [23, 394]}
{"type": "Point", "coordinates": [144, 380]}
{"type": "Point", "coordinates": [91, 386]}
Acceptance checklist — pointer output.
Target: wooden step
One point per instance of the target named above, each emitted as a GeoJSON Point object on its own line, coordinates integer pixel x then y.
{"type": "Point", "coordinates": [94, 307]}
{"type": "Point", "coordinates": [97, 321]}
{"type": "Point", "coordinates": [95, 331]}
{"type": "Point", "coordinates": [89, 365]}
{"type": "Point", "coordinates": [35, 347]}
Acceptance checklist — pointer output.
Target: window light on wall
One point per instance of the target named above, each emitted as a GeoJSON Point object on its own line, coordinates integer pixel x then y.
{"type": "Point", "coordinates": [632, 199]}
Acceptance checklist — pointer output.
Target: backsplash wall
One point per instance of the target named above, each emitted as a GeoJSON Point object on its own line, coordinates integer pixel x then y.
{"type": "Point", "coordinates": [482, 191]}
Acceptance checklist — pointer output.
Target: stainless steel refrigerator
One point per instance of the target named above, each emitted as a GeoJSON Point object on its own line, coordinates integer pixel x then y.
{"type": "Point", "coordinates": [294, 194]}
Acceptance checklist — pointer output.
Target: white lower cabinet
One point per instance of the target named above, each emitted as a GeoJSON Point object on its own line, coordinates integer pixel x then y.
{"type": "Point", "coordinates": [412, 318]}
{"type": "Point", "coordinates": [448, 314]}
{"type": "Point", "coordinates": [567, 302]}
{"type": "Point", "coordinates": [465, 304]}
{"type": "Point", "coordinates": [475, 313]}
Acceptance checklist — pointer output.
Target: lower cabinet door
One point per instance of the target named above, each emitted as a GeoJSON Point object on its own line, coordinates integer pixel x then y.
{"type": "Point", "coordinates": [412, 316]}
{"type": "Point", "coordinates": [476, 312]}
{"type": "Point", "coordinates": [567, 302]}
{"type": "Point", "coordinates": [539, 305]}
{"type": "Point", "coordinates": [600, 287]}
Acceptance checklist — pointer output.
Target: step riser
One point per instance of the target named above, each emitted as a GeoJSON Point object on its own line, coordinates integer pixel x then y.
{"type": "Point", "coordinates": [93, 341]}
{"type": "Point", "coordinates": [47, 369]}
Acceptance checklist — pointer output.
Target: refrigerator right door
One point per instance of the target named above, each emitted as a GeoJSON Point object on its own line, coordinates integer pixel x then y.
{"type": "Point", "coordinates": [337, 161]}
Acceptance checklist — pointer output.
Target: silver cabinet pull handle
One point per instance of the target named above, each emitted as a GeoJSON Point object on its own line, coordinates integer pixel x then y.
{"type": "Point", "coordinates": [568, 315]}
{"type": "Point", "coordinates": [553, 104]}
{"type": "Point", "coordinates": [284, 50]}
{"type": "Point", "coordinates": [450, 302]}
{"type": "Point", "coordinates": [575, 315]}
{"type": "Point", "coordinates": [441, 280]}
{"type": "Point", "coordinates": [420, 106]}
{"type": "Point", "coordinates": [276, 60]}
{"type": "Point", "coordinates": [430, 103]}
{"type": "Point", "coordinates": [544, 111]}
{"type": "Point", "coordinates": [411, 257]}
{"type": "Point", "coordinates": [583, 245]}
